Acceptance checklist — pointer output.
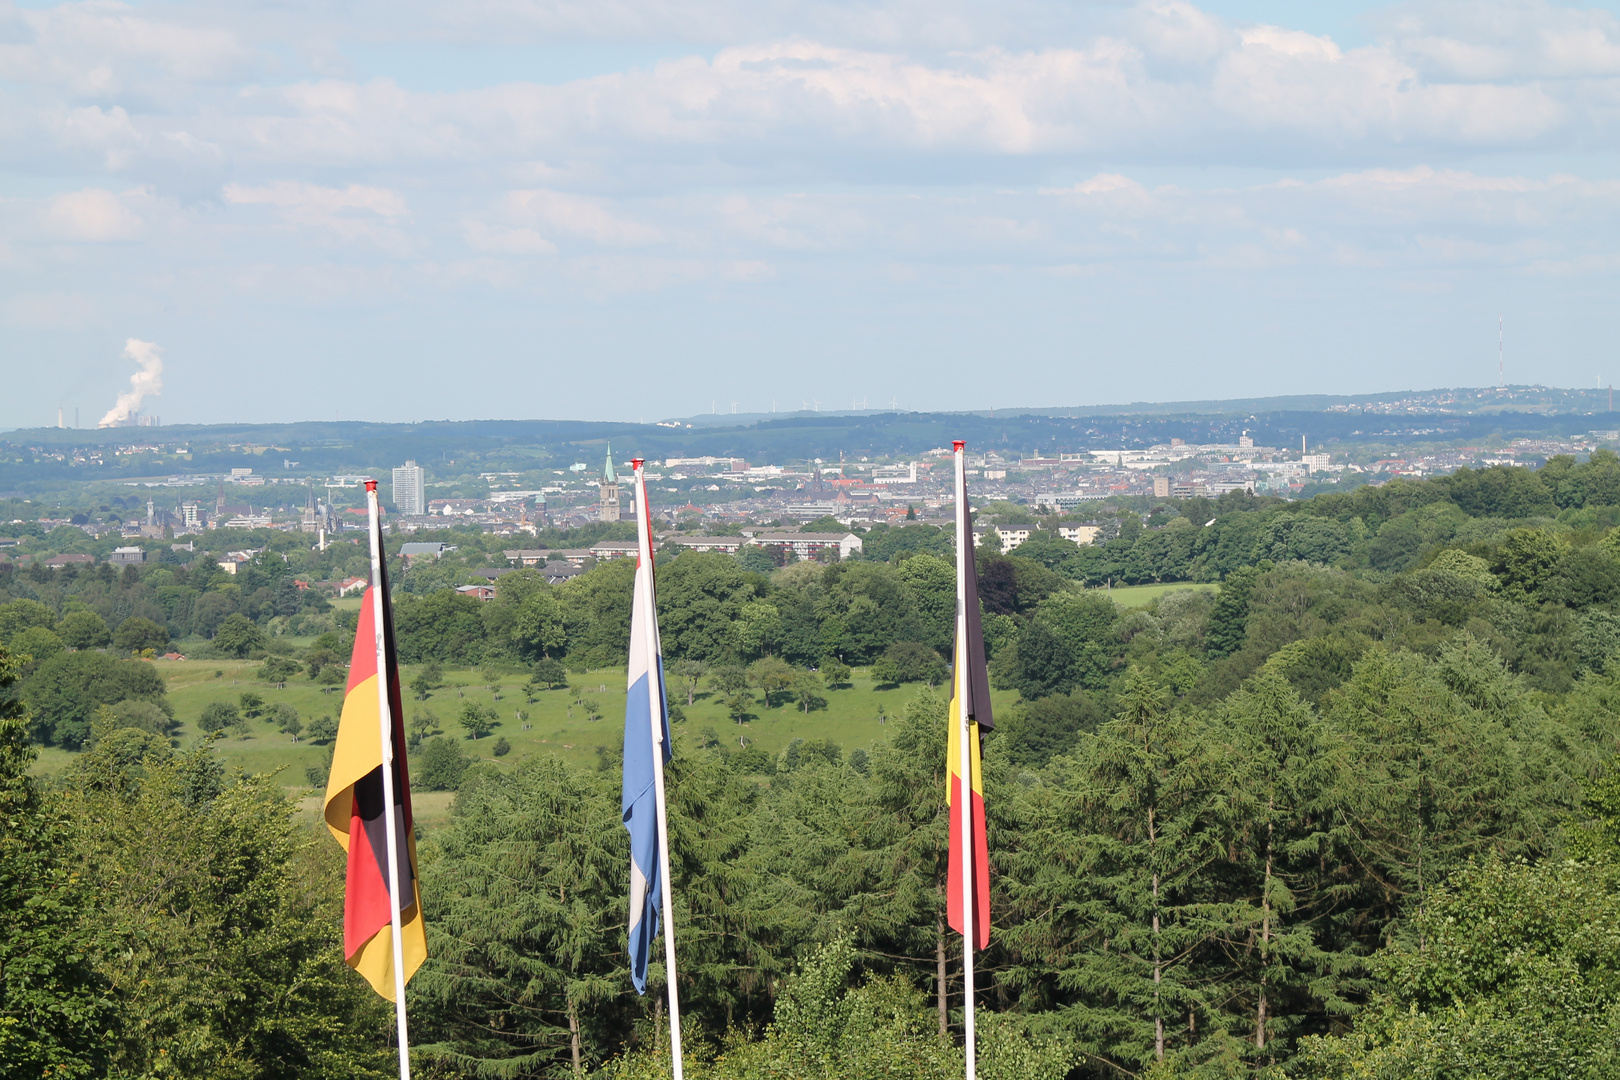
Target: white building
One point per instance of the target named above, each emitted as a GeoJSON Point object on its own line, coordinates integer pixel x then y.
{"type": "Point", "coordinates": [728, 545]}
{"type": "Point", "coordinates": [808, 545]}
{"type": "Point", "coordinates": [410, 489]}
{"type": "Point", "coordinates": [895, 474]}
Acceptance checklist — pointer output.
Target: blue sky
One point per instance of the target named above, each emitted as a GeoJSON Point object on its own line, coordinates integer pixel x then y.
{"type": "Point", "coordinates": [559, 208]}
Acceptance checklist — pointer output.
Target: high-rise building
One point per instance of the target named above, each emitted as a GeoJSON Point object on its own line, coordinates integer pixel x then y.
{"type": "Point", "coordinates": [608, 506]}
{"type": "Point", "coordinates": [410, 489]}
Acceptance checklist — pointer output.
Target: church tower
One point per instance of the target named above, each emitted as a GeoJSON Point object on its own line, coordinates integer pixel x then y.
{"type": "Point", "coordinates": [608, 507]}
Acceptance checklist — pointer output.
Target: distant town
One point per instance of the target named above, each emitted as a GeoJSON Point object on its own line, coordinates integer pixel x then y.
{"type": "Point", "coordinates": [124, 500]}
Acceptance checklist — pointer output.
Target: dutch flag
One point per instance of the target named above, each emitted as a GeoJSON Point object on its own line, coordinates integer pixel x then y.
{"type": "Point", "coordinates": [646, 749]}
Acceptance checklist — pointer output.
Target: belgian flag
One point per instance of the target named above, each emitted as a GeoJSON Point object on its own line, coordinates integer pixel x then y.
{"type": "Point", "coordinates": [968, 719]}
{"type": "Point", "coordinates": [355, 812]}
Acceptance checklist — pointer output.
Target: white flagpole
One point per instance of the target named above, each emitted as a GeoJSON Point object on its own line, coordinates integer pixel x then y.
{"type": "Point", "coordinates": [964, 552]}
{"type": "Point", "coordinates": [655, 700]}
{"type": "Point", "coordinates": [386, 722]}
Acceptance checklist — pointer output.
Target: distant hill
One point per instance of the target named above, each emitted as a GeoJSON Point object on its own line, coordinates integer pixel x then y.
{"type": "Point", "coordinates": [1436, 417]}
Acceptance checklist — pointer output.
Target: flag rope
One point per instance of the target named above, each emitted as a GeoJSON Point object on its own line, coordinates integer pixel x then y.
{"type": "Point", "coordinates": [391, 825]}
{"type": "Point", "coordinates": [964, 551]}
{"type": "Point", "coordinates": [655, 700]}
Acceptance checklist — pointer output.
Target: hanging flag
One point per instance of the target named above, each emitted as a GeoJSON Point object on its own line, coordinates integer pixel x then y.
{"type": "Point", "coordinates": [641, 802]}
{"type": "Point", "coordinates": [970, 677]}
{"type": "Point", "coordinates": [354, 810]}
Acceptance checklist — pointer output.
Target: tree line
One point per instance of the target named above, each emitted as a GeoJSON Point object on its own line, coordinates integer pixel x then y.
{"type": "Point", "coordinates": [1328, 820]}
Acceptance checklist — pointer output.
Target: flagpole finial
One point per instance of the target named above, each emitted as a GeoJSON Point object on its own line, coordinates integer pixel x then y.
{"type": "Point", "coordinates": [636, 463]}
{"type": "Point", "coordinates": [371, 485]}
{"type": "Point", "coordinates": [957, 445]}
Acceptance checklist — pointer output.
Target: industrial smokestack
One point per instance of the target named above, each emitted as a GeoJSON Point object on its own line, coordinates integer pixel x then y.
{"type": "Point", "coordinates": [148, 380]}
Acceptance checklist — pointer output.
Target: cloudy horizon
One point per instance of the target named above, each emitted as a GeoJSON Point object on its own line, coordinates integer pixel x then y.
{"type": "Point", "coordinates": [543, 208]}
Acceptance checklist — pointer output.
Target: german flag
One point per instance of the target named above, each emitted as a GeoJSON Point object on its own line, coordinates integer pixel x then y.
{"type": "Point", "coordinates": [970, 695]}
{"type": "Point", "coordinates": [354, 810]}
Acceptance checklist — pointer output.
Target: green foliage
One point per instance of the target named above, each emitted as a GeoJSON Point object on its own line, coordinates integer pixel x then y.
{"type": "Point", "coordinates": [439, 765]}
{"type": "Point", "coordinates": [136, 634]}
{"type": "Point", "coordinates": [278, 669]}
{"type": "Point", "coordinates": [1228, 623]}
{"type": "Point", "coordinates": [1526, 560]}
{"type": "Point", "coordinates": [826, 1029]}
{"type": "Point", "coordinates": [477, 719]}
{"type": "Point", "coordinates": [64, 692]}
{"type": "Point", "coordinates": [143, 715]}
{"type": "Point", "coordinates": [1510, 972]}
{"type": "Point", "coordinates": [322, 729]}
{"type": "Point", "coordinates": [427, 679]}
{"type": "Point", "coordinates": [835, 673]}
{"type": "Point", "coordinates": [217, 925]}
{"type": "Point", "coordinates": [549, 674]}
{"type": "Point", "coordinates": [35, 645]}
{"type": "Point", "coordinates": [773, 676]}
{"type": "Point", "coordinates": [444, 626]}
{"type": "Point", "coordinates": [806, 688]}
{"type": "Point", "coordinates": [909, 662]}
{"type": "Point", "coordinates": [218, 716]}
{"type": "Point", "coordinates": [20, 615]}
{"type": "Point", "coordinates": [54, 1006]}
{"type": "Point", "coordinates": [237, 636]}
{"type": "Point", "coordinates": [1033, 734]}
{"type": "Point", "coordinates": [525, 925]}
{"type": "Point", "coordinates": [84, 629]}
{"type": "Point", "coordinates": [729, 679]}
{"type": "Point", "coordinates": [286, 719]}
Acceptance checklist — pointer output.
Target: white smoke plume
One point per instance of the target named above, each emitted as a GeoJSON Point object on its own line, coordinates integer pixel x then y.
{"type": "Point", "coordinates": [148, 380]}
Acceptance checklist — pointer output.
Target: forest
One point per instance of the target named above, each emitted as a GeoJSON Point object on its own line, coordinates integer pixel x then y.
{"type": "Point", "coordinates": [1352, 814]}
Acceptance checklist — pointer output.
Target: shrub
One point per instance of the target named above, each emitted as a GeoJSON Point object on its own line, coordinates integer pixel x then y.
{"type": "Point", "coordinates": [237, 636]}
{"type": "Point", "coordinates": [476, 719]}
{"type": "Point", "coordinates": [64, 692]}
{"type": "Point", "coordinates": [501, 747]}
{"type": "Point", "coordinates": [219, 716]}
{"type": "Point", "coordinates": [278, 669]}
{"type": "Point", "coordinates": [909, 662]}
{"type": "Point", "coordinates": [550, 674]}
{"type": "Point", "coordinates": [441, 765]}
{"type": "Point", "coordinates": [135, 634]}
{"type": "Point", "coordinates": [85, 629]}
{"type": "Point", "coordinates": [143, 715]}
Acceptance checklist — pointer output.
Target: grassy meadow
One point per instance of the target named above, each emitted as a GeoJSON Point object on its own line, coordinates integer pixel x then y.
{"type": "Point", "coordinates": [1134, 596]}
{"type": "Point", "coordinates": [558, 721]}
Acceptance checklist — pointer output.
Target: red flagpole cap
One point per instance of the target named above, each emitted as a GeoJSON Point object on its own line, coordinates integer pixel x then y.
{"type": "Point", "coordinates": [371, 485]}
{"type": "Point", "coordinates": [958, 444]}
{"type": "Point", "coordinates": [635, 462]}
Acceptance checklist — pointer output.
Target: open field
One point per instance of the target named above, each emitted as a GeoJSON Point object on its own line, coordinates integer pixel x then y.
{"type": "Point", "coordinates": [558, 723]}
{"type": "Point", "coordinates": [1143, 595]}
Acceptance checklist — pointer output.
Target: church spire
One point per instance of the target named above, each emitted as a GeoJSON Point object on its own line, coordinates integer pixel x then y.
{"type": "Point", "coordinates": [608, 508]}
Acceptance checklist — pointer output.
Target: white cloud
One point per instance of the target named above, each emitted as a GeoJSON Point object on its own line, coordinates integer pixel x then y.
{"type": "Point", "coordinates": [92, 214]}
{"type": "Point", "coordinates": [349, 214]}
{"type": "Point", "coordinates": [483, 237]}
{"type": "Point", "coordinates": [313, 204]}
{"type": "Point", "coordinates": [589, 219]}
{"type": "Point", "coordinates": [814, 153]}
